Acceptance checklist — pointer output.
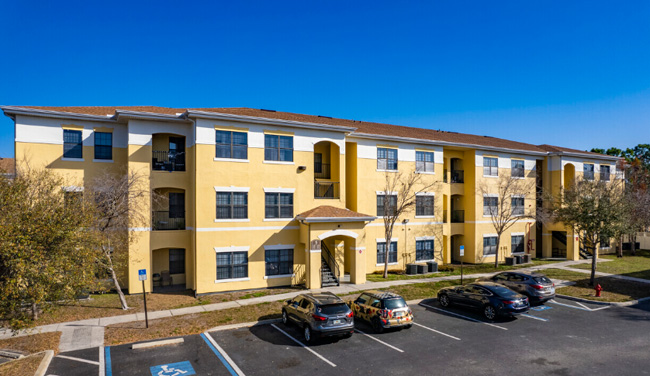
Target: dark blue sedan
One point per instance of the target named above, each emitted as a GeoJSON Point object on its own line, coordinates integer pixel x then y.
{"type": "Point", "coordinates": [491, 298]}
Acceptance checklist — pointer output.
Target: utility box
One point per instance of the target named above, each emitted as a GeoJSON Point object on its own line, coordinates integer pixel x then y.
{"type": "Point", "coordinates": [526, 258]}
{"type": "Point", "coordinates": [411, 269]}
{"type": "Point", "coordinates": [432, 267]}
{"type": "Point", "coordinates": [422, 268]}
{"type": "Point", "coordinates": [511, 261]}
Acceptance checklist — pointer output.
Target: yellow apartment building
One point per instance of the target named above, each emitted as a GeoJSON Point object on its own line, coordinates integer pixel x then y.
{"type": "Point", "coordinates": [260, 198]}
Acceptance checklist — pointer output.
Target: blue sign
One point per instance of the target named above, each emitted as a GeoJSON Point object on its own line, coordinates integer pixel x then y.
{"type": "Point", "coordinates": [540, 308]}
{"type": "Point", "coordinates": [173, 369]}
{"type": "Point", "coordinates": [142, 274]}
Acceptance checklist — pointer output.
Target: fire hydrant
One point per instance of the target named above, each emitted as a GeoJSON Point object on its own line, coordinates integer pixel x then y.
{"type": "Point", "coordinates": [598, 289]}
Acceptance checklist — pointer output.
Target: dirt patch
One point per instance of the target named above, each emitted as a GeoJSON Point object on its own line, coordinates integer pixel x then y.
{"type": "Point", "coordinates": [22, 367]}
{"type": "Point", "coordinates": [33, 343]}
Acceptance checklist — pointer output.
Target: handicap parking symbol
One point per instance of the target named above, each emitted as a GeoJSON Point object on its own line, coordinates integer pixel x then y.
{"type": "Point", "coordinates": [540, 308]}
{"type": "Point", "coordinates": [173, 369]}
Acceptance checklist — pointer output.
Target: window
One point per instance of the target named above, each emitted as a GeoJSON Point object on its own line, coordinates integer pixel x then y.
{"type": "Point", "coordinates": [386, 159]}
{"type": "Point", "coordinates": [589, 171]}
{"type": "Point", "coordinates": [489, 245]}
{"type": "Point", "coordinates": [392, 205]}
{"type": "Point", "coordinates": [517, 206]}
{"type": "Point", "coordinates": [72, 146]}
{"type": "Point", "coordinates": [176, 261]}
{"type": "Point", "coordinates": [318, 163]}
{"type": "Point", "coordinates": [103, 145]}
{"type": "Point", "coordinates": [279, 261]}
{"type": "Point", "coordinates": [490, 166]}
{"type": "Point", "coordinates": [604, 241]}
{"type": "Point", "coordinates": [424, 205]}
{"type": "Point", "coordinates": [232, 265]}
{"type": "Point", "coordinates": [423, 161]}
{"type": "Point", "coordinates": [278, 148]}
{"type": "Point", "coordinates": [604, 173]}
{"type": "Point", "coordinates": [517, 168]}
{"type": "Point", "coordinates": [490, 205]}
{"type": "Point", "coordinates": [381, 253]}
{"type": "Point", "coordinates": [279, 205]}
{"type": "Point", "coordinates": [233, 145]}
{"type": "Point", "coordinates": [232, 205]}
{"type": "Point", "coordinates": [517, 244]}
{"type": "Point", "coordinates": [423, 250]}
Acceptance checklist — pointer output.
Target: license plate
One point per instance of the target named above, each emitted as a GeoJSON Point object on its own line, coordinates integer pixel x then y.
{"type": "Point", "coordinates": [336, 322]}
{"type": "Point", "coordinates": [550, 289]}
{"type": "Point", "coordinates": [398, 314]}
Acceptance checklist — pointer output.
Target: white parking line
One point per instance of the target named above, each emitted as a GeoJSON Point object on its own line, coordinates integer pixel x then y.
{"type": "Point", "coordinates": [102, 367]}
{"type": "Point", "coordinates": [433, 330]}
{"type": "Point", "coordinates": [78, 359]}
{"type": "Point", "coordinates": [465, 317]}
{"type": "Point", "coordinates": [224, 354]}
{"type": "Point", "coordinates": [303, 345]}
{"type": "Point", "coordinates": [533, 317]}
{"type": "Point", "coordinates": [569, 305]}
{"type": "Point", "coordinates": [583, 306]}
{"type": "Point", "coordinates": [378, 340]}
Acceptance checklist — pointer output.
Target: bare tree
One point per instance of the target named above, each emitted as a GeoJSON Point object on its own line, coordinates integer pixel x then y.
{"type": "Point", "coordinates": [121, 202]}
{"type": "Point", "coordinates": [507, 201]}
{"type": "Point", "coordinates": [399, 197]}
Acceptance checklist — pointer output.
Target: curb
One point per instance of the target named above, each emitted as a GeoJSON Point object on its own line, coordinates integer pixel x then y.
{"type": "Point", "coordinates": [616, 304]}
{"type": "Point", "coordinates": [45, 363]}
{"type": "Point", "coordinates": [243, 325]}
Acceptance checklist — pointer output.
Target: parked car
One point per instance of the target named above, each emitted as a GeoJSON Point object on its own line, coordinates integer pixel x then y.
{"type": "Point", "coordinates": [382, 310]}
{"type": "Point", "coordinates": [322, 314]}
{"type": "Point", "coordinates": [491, 298]}
{"type": "Point", "coordinates": [537, 287]}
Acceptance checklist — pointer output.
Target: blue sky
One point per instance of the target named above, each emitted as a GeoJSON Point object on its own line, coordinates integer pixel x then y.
{"type": "Point", "coordinates": [575, 74]}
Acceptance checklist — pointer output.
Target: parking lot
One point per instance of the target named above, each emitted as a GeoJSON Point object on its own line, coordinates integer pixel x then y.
{"type": "Point", "coordinates": [562, 337]}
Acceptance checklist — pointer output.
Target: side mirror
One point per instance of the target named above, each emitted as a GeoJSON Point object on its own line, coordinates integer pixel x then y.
{"type": "Point", "coordinates": [288, 301]}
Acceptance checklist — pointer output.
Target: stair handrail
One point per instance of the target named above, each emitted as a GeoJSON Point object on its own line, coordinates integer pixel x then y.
{"type": "Point", "coordinates": [329, 259]}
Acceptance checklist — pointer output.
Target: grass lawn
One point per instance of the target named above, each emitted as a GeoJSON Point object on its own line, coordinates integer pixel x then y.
{"type": "Point", "coordinates": [632, 266]}
{"type": "Point", "coordinates": [614, 290]}
{"type": "Point", "coordinates": [22, 367]}
{"type": "Point", "coordinates": [200, 322]}
{"type": "Point", "coordinates": [467, 269]}
{"type": "Point", "coordinates": [34, 343]}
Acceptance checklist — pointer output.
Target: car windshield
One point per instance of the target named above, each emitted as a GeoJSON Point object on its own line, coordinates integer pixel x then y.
{"type": "Point", "coordinates": [542, 279]}
{"type": "Point", "coordinates": [503, 291]}
{"type": "Point", "coordinates": [394, 303]}
{"type": "Point", "coordinates": [333, 309]}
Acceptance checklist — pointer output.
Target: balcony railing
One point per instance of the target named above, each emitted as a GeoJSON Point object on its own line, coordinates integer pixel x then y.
{"type": "Point", "coordinates": [457, 216]}
{"type": "Point", "coordinates": [322, 170]}
{"type": "Point", "coordinates": [458, 176]}
{"type": "Point", "coordinates": [162, 220]}
{"type": "Point", "coordinates": [168, 160]}
{"type": "Point", "coordinates": [325, 189]}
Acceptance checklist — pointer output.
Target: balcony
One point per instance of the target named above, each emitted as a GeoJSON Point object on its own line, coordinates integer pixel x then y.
{"type": "Point", "coordinates": [457, 216]}
{"type": "Point", "coordinates": [168, 160]}
{"type": "Point", "coordinates": [163, 220]}
{"type": "Point", "coordinates": [326, 189]}
{"type": "Point", "coordinates": [457, 176]}
{"type": "Point", "coordinates": [322, 170]}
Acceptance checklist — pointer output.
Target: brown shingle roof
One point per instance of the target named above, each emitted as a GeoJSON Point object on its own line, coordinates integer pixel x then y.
{"type": "Point", "coordinates": [326, 211]}
{"type": "Point", "coordinates": [558, 149]}
{"type": "Point", "coordinates": [107, 110]}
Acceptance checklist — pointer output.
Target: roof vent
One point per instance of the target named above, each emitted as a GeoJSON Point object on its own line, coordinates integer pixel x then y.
{"type": "Point", "coordinates": [327, 117]}
{"type": "Point", "coordinates": [263, 109]}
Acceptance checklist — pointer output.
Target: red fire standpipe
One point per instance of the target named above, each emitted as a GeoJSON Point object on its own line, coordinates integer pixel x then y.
{"type": "Point", "coordinates": [598, 289]}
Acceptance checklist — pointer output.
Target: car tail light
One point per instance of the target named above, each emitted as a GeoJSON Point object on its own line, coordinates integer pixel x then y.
{"type": "Point", "coordinates": [508, 301]}
{"type": "Point", "coordinates": [350, 314]}
{"type": "Point", "coordinates": [537, 287]}
{"type": "Point", "coordinates": [318, 318]}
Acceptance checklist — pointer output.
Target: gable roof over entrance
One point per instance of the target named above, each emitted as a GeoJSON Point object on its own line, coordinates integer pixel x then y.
{"type": "Point", "coordinates": [326, 213]}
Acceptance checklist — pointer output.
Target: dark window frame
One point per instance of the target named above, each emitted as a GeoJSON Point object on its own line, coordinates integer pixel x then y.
{"type": "Point", "coordinates": [422, 252]}
{"type": "Point", "coordinates": [517, 247]}
{"type": "Point", "coordinates": [103, 145]}
{"type": "Point", "coordinates": [274, 150]}
{"type": "Point", "coordinates": [232, 206]}
{"type": "Point", "coordinates": [381, 253]}
{"type": "Point", "coordinates": [177, 265]}
{"type": "Point", "coordinates": [229, 268]}
{"type": "Point", "coordinates": [392, 204]}
{"type": "Point", "coordinates": [277, 209]}
{"type": "Point", "coordinates": [230, 147]}
{"type": "Point", "coordinates": [384, 157]}
{"type": "Point", "coordinates": [278, 262]}
{"type": "Point", "coordinates": [588, 173]}
{"type": "Point", "coordinates": [492, 166]}
{"type": "Point", "coordinates": [516, 170]}
{"type": "Point", "coordinates": [422, 164]}
{"type": "Point", "coordinates": [486, 208]}
{"type": "Point", "coordinates": [491, 248]}
{"type": "Point", "coordinates": [71, 148]}
{"type": "Point", "coordinates": [516, 208]}
{"type": "Point", "coordinates": [605, 176]}
{"type": "Point", "coordinates": [424, 205]}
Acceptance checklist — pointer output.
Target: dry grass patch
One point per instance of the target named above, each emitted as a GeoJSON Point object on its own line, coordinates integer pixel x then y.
{"type": "Point", "coordinates": [22, 367]}
{"type": "Point", "coordinates": [33, 343]}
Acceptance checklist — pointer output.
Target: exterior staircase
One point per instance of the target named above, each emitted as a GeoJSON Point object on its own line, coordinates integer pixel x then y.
{"type": "Point", "coordinates": [584, 254]}
{"type": "Point", "coordinates": [327, 276]}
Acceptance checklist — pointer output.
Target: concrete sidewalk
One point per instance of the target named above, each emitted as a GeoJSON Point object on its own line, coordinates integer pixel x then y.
{"type": "Point", "coordinates": [76, 335]}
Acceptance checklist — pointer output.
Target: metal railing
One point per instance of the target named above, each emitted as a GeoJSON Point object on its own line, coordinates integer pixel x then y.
{"type": "Point", "coordinates": [166, 160]}
{"type": "Point", "coordinates": [161, 220]}
{"type": "Point", "coordinates": [331, 262]}
{"type": "Point", "coordinates": [457, 216]}
{"type": "Point", "coordinates": [326, 189]}
{"type": "Point", "coordinates": [322, 170]}
{"type": "Point", "coordinates": [457, 176]}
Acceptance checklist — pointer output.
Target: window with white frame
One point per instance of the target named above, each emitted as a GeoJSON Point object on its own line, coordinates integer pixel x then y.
{"type": "Point", "coordinates": [517, 204]}
{"type": "Point", "coordinates": [232, 145]}
{"type": "Point", "coordinates": [232, 205]}
{"type": "Point", "coordinates": [517, 243]}
{"type": "Point", "coordinates": [490, 166]}
{"type": "Point", "coordinates": [278, 261]}
{"type": "Point", "coordinates": [424, 161]}
{"type": "Point", "coordinates": [278, 148]}
{"type": "Point", "coordinates": [386, 159]}
{"type": "Point", "coordinates": [232, 265]}
{"type": "Point", "coordinates": [278, 205]}
{"type": "Point", "coordinates": [424, 205]}
{"type": "Point", "coordinates": [424, 250]}
{"type": "Point", "coordinates": [381, 253]}
{"type": "Point", "coordinates": [390, 201]}
{"type": "Point", "coordinates": [517, 168]}
{"type": "Point", "coordinates": [490, 205]}
{"type": "Point", "coordinates": [489, 245]}
{"type": "Point", "coordinates": [588, 171]}
{"type": "Point", "coordinates": [604, 173]}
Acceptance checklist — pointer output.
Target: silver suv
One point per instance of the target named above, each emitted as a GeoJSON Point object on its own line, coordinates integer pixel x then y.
{"type": "Point", "coordinates": [322, 314]}
{"type": "Point", "coordinates": [537, 287]}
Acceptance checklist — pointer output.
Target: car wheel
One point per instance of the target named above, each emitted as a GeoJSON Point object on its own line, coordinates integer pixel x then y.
{"type": "Point", "coordinates": [489, 312]}
{"type": "Point", "coordinates": [307, 334]}
{"type": "Point", "coordinates": [408, 326]}
{"type": "Point", "coordinates": [376, 325]}
{"type": "Point", "coordinates": [285, 317]}
{"type": "Point", "coordinates": [444, 300]}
